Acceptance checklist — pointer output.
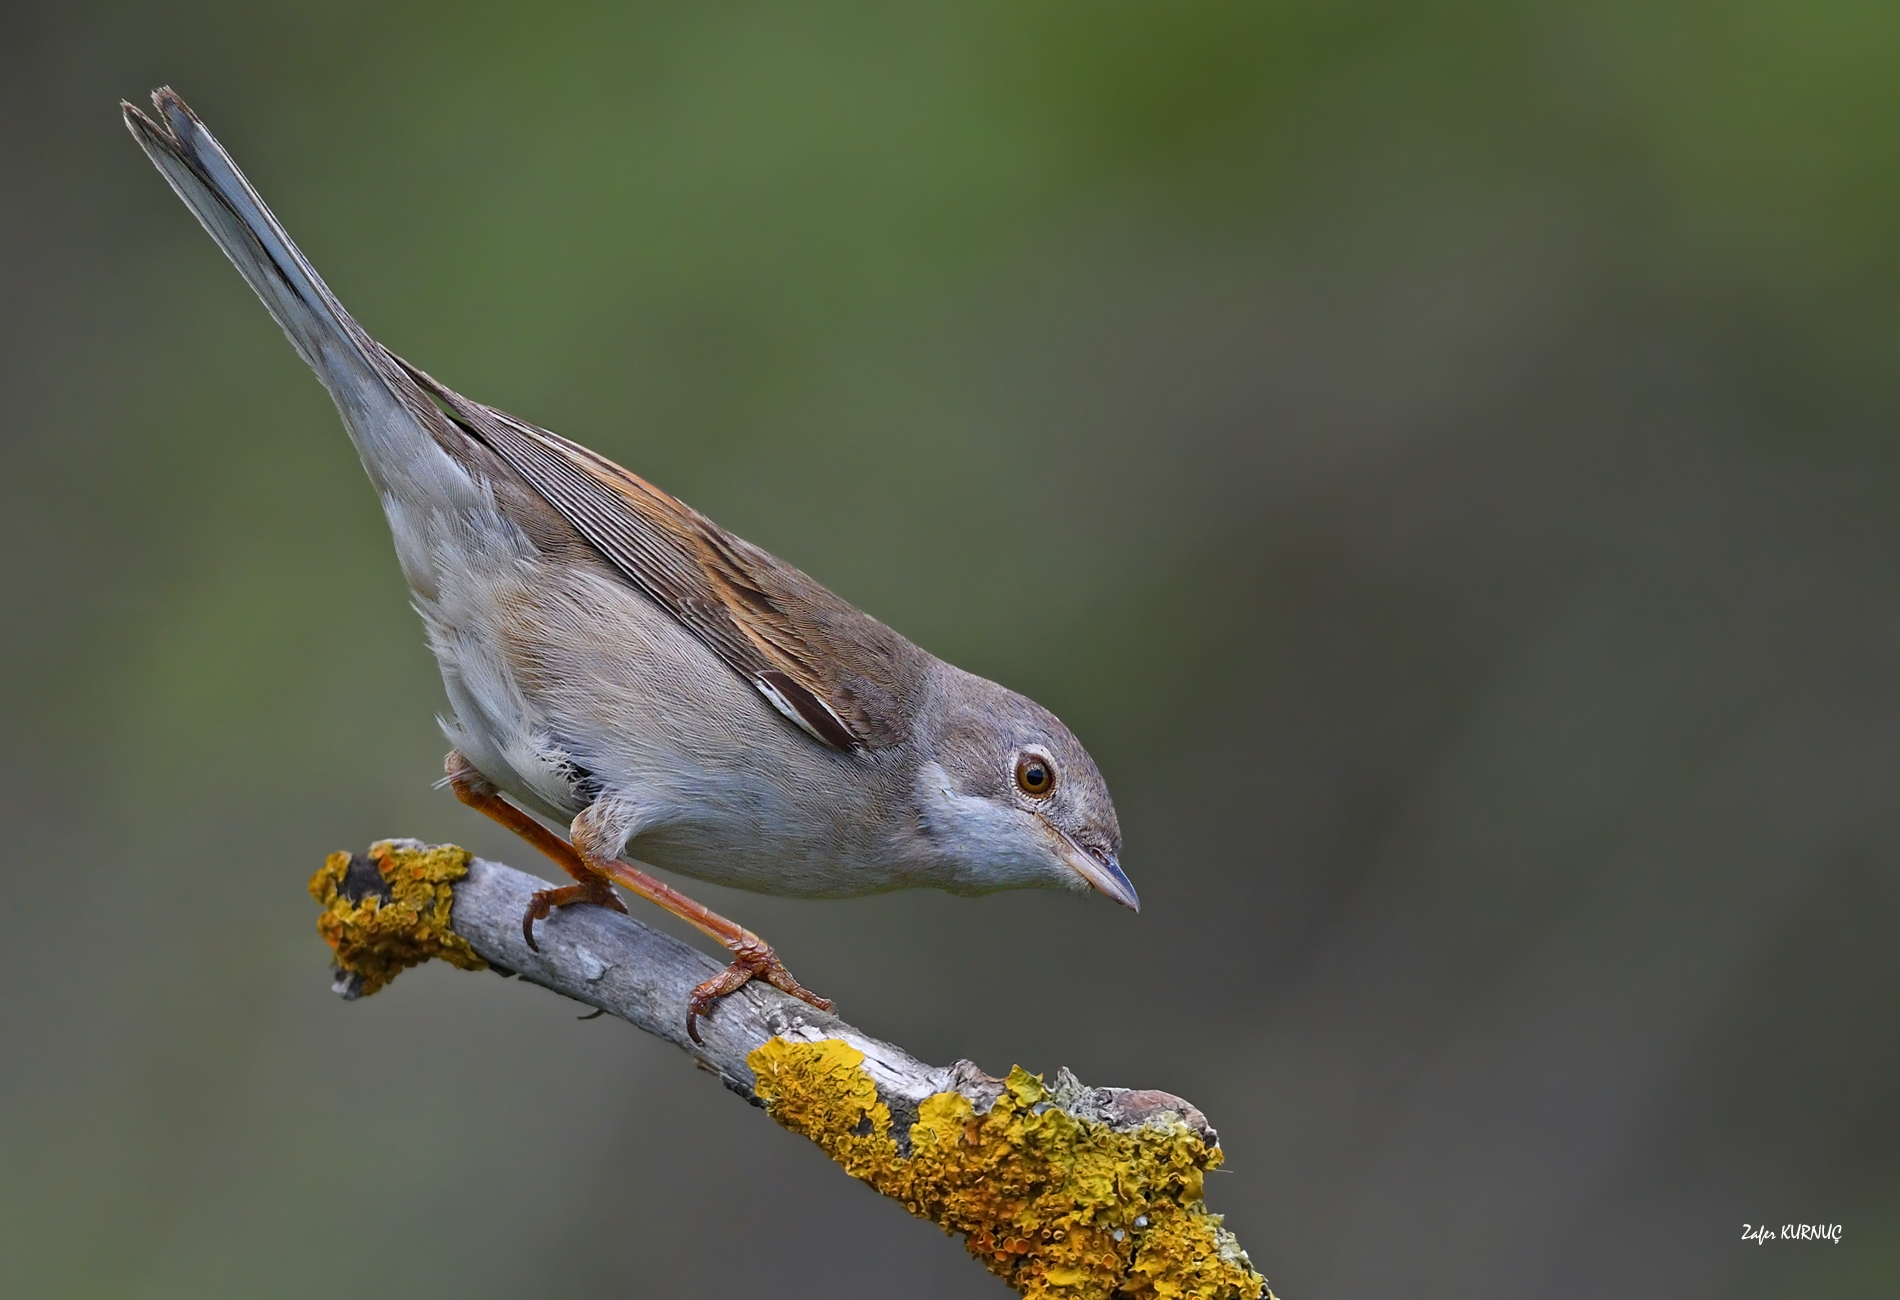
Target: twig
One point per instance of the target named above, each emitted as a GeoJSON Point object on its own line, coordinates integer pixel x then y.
{"type": "Point", "coordinates": [1061, 1189]}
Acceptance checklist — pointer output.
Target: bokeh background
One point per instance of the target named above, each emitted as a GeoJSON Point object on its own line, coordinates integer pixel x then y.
{"type": "Point", "coordinates": [1441, 458]}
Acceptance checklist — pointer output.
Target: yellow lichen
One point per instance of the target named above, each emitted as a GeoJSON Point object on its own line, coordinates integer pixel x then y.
{"type": "Point", "coordinates": [378, 939]}
{"type": "Point", "coordinates": [1055, 1204]}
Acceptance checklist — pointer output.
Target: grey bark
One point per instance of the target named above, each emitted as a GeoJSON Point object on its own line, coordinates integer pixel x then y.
{"type": "Point", "coordinates": [618, 965]}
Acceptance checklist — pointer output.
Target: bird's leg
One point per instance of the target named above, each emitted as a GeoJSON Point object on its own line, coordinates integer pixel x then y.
{"type": "Point", "coordinates": [752, 957]}
{"type": "Point", "coordinates": [479, 793]}
{"type": "Point", "coordinates": [593, 864]}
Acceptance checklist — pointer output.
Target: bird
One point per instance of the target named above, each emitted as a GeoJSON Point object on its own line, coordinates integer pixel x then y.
{"type": "Point", "coordinates": [618, 664]}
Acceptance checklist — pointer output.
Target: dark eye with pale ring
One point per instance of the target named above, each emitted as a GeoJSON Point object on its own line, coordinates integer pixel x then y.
{"type": "Point", "coordinates": [1035, 775]}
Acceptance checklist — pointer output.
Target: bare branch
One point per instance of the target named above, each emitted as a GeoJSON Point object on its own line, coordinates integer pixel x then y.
{"type": "Point", "coordinates": [1061, 1189]}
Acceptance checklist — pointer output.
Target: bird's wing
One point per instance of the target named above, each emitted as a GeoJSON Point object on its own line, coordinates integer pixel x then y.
{"type": "Point", "coordinates": [833, 670]}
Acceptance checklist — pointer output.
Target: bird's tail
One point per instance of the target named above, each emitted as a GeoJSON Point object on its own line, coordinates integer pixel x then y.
{"type": "Point", "coordinates": [388, 417]}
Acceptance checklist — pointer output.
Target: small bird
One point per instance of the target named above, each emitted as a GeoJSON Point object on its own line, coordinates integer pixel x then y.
{"type": "Point", "coordinates": [618, 663]}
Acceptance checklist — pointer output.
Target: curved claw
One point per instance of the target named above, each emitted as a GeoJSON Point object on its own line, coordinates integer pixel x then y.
{"type": "Point", "coordinates": [752, 958]}
{"type": "Point", "coordinates": [543, 902]}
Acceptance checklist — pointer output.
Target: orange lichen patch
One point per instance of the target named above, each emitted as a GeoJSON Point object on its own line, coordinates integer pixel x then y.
{"type": "Point", "coordinates": [1055, 1204]}
{"type": "Point", "coordinates": [376, 938]}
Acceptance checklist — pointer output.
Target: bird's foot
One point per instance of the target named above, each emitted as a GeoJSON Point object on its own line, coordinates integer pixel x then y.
{"type": "Point", "coordinates": [544, 901]}
{"type": "Point", "coordinates": [752, 958]}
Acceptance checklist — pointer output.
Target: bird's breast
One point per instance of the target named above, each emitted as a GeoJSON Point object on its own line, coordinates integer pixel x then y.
{"type": "Point", "coordinates": [585, 689]}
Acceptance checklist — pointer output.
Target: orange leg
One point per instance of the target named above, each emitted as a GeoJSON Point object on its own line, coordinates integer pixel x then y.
{"type": "Point", "coordinates": [752, 957]}
{"type": "Point", "coordinates": [475, 790]}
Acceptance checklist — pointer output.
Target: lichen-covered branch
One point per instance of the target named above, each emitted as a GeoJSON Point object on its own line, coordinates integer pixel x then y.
{"type": "Point", "coordinates": [1062, 1190]}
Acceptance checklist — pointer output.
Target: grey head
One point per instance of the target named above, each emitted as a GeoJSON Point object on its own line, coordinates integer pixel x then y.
{"type": "Point", "coordinates": [1007, 797]}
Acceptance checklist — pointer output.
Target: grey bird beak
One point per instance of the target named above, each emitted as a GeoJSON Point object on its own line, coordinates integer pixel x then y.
{"type": "Point", "coordinates": [1099, 869]}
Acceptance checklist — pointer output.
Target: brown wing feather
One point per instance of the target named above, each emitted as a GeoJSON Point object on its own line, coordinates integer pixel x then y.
{"type": "Point", "coordinates": [837, 672]}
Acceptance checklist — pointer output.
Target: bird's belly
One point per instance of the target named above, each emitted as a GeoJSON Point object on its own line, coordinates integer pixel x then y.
{"type": "Point", "coordinates": [739, 857]}
{"type": "Point", "coordinates": [767, 809]}
{"type": "Point", "coordinates": [572, 687]}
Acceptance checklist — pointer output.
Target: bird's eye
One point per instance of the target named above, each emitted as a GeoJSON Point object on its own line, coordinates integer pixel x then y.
{"type": "Point", "coordinates": [1035, 775]}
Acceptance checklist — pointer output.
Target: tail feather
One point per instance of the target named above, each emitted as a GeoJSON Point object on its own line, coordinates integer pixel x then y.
{"type": "Point", "coordinates": [389, 418]}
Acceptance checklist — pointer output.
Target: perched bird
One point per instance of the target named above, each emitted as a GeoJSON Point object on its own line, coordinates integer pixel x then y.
{"type": "Point", "coordinates": [619, 663]}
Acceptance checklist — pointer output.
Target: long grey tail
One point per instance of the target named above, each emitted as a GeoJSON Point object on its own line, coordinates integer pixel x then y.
{"type": "Point", "coordinates": [388, 417]}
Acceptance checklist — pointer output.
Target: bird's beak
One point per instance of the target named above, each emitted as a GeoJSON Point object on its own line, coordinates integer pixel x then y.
{"type": "Point", "coordinates": [1099, 869]}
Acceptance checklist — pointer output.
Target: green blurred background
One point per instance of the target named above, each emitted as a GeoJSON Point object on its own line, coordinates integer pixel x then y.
{"type": "Point", "coordinates": [1441, 458]}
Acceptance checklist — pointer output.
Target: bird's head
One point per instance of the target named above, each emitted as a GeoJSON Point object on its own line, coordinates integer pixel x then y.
{"type": "Point", "coordinates": [1009, 799]}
